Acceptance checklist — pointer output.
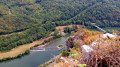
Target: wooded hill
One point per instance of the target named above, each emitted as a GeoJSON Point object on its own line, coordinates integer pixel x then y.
{"type": "Point", "coordinates": [28, 15]}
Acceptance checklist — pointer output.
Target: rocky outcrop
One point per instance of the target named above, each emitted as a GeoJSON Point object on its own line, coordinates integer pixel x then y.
{"type": "Point", "coordinates": [70, 42]}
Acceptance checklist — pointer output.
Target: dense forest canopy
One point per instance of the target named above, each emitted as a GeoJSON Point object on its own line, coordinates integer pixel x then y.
{"type": "Point", "coordinates": [26, 15]}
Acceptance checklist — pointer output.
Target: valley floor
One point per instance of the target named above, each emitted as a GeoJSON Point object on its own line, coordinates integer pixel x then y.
{"type": "Point", "coordinates": [21, 49]}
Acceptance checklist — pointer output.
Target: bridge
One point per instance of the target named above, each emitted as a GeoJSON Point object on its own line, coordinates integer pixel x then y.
{"type": "Point", "coordinates": [99, 28]}
{"type": "Point", "coordinates": [40, 49]}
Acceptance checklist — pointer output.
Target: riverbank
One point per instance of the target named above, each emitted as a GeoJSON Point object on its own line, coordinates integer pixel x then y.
{"type": "Point", "coordinates": [51, 61]}
{"type": "Point", "coordinates": [21, 49]}
{"type": "Point", "coordinates": [35, 58]}
{"type": "Point", "coordinates": [42, 45]}
{"type": "Point", "coordinates": [18, 56]}
{"type": "Point", "coordinates": [13, 54]}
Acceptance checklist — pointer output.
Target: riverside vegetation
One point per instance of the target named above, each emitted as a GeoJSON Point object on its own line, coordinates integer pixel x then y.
{"type": "Point", "coordinates": [18, 56]}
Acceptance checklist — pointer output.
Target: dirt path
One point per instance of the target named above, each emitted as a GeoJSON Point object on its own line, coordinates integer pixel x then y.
{"type": "Point", "coordinates": [21, 49]}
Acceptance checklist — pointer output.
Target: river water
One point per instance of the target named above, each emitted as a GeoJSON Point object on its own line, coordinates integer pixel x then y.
{"type": "Point", "coordinates": [36, 58]}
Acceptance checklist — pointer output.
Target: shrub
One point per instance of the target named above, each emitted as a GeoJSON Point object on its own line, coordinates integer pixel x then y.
{"type": "Point", "coordinates": [65, 53]}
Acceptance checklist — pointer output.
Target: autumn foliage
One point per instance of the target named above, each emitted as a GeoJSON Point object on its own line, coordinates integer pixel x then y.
{"type": "Point", "coordinates": [106, 51]}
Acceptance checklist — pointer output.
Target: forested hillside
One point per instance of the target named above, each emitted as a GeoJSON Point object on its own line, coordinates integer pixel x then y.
{"type": "Point", "coordinates": [29, 20]}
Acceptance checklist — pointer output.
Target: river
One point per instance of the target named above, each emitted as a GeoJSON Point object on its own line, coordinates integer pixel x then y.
{"type": "Point", "coordinates": [35, 58]}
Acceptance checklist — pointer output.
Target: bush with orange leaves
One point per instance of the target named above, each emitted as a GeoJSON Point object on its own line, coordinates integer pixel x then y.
{"type": "Point", "coordinates": [87, 36]}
